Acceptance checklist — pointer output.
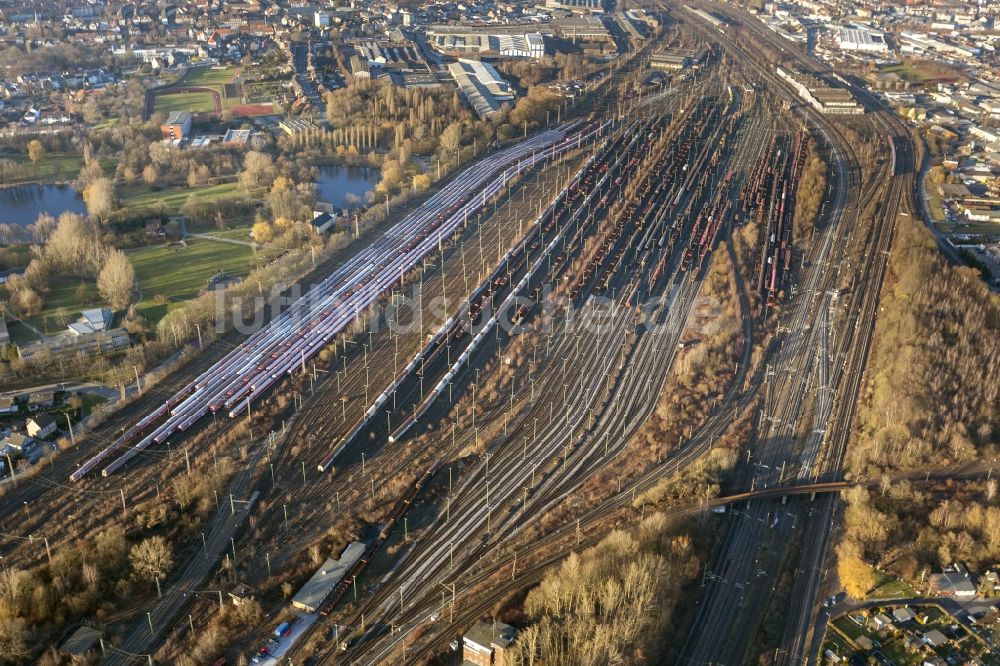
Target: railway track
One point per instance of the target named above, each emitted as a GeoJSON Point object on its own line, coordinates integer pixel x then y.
{"type": "Point", "coordinates": [475, 515]}
{"type": "Point", "coordinates": [164, 615]}
{"type": "Point", "coordinates": [782, 410]}
{"type": "Point", "coordinates": [301, 331]}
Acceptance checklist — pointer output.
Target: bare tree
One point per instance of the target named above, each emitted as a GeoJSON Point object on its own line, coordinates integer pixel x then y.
{"type": "Point", "coordinates": [36, 275]}
{"type": "Point", "coordinates": [150, 174]}
{"type": "Point", "coordinates": [100, 197]}
{"type": "Point", "coordinates": [74, 247]}
{"type": "Point", "coordinates": [36, 151]}
{"type": "Point", "coordinates": [24, 300]}
{"type": "Point", "coordinates": [13, 639]}
{"type": "Point", "coordinates": [258, 170]}
{"type": "Point", "coordinates": [43, 227]}
{"type": "Point", "coordinates": [151, 558]}
{"type": "Point", "coordinates": [451, 138]}
{"type": "Point", "coordinates": [88, 174]}
{"type": "Point", "coordinates": [116, 280]}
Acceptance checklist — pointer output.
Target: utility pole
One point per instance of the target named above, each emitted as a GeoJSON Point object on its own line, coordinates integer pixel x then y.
{"type": "Point", "coordinates": [69, 425]}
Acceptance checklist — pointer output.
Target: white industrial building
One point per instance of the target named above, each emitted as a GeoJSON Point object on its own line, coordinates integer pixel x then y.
{"type": "Point", "coordinates": [862, 39]}
{"type": "Point", "coordinates": [507, 44]}
{"type": "Point", "coordinates": [481, 86]}
{"type": "Point", "coordinates": [528, 45]}
{"type": "Point", "coordinates": [822, 97]}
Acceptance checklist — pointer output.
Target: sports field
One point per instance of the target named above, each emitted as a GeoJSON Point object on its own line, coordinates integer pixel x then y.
{"type": "Point", "coordinates": [195, 102]}
{"type": "Point", "coordinates": [202, 90]}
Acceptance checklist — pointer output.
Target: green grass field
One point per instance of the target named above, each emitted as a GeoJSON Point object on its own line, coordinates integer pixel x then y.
{"type": "Point", "coordinates": [917, 73]}
{"type": "Point", "coordinates": [90, 401]}
{"type": "Point", "coordinates": [195, 102]}
{"type": "Point", "coordinates": [180, 273]}
{"type": "Point", "coordinates": [141, 197]}
{"type": "Point", "coordinates": [57, 167]}
{"type": "Point", "coordinates": [848, 627]}
{"type": "Point", "coordinates": [983, 228]}
{"type": "Point", "coordinates": [835, 643]}
{"type": "Point", "coordinates": [887, 587]}
{"type": "Point", "coordinates": [935, 206]}
{"type": "Point", "coordinates": [21, 334]}
{"type": "Point", "coordinates": [208, 76]}
{"type": "Point", "coordinates": [199, 102]}
{"type": "Point", "coordinates": [54, 167]}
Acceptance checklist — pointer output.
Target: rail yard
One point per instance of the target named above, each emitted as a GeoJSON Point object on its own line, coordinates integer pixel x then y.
{"type": "Point", "coordinates": [463, 392]}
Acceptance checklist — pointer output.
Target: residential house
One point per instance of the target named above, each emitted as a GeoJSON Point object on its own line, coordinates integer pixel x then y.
{"type": "Point", "coordinates": [315, 591]}
{"type": "Point", "coordinates": [904, 614]}
{"type": "Point", "coordinates": [990, 583]}
{"type": "Point", "coordinates": [16, 443]}
{"type": "Point", "coordinates": [322, 222]}
{"type": "Point", "coordinates": [98, 342]}
{"type": "Point", "coordinates": [81, 643]}
{"type": "Point", "coordinates": [241, 594]}
{"type": "Point", "coordinates": [881, 621]}
{"type": "Point", "coordinates": [935, 638]}
{"type": "Point", "coordinates": [41, 426]}
{"type": "Point", "coordinates": [980, 214]}
{"type": "Point", "coordinates": [237, 137]}
{"type": "Point", "coordinates": [360, 68]}
{"type": "Point", "coordinates": [293, 126]}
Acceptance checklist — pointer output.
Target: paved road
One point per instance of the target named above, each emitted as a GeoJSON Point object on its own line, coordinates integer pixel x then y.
{"type": "Point", "coordinates": [107, 392]}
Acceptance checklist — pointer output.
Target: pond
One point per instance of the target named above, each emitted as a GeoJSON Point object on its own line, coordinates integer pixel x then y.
{"type": "Point", "coordinates": [23, 204]}
{"type": "Point", "coordinates": [345, 186]}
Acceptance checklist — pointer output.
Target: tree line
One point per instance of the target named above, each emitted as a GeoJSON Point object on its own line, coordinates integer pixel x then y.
{"type": "Point", "coordinates": [930, 400]}
{"type": "Point", "coordinates": [610, 604]}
